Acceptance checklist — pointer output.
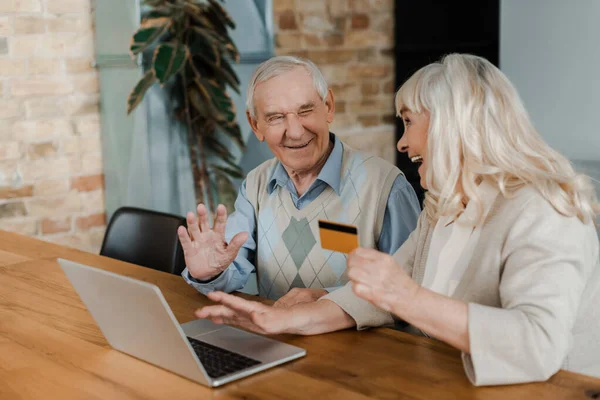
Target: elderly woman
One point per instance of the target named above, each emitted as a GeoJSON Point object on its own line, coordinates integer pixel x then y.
{"type": "Point", "coordinates": [504, 262]}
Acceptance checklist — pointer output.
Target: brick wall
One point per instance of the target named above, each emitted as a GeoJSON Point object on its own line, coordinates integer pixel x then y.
{"type": "Point", "coordinates": [352, 43]}
{"type": "Point", "coordinates": [51, 183]}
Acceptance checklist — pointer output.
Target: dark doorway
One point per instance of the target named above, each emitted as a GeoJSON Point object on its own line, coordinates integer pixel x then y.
{"type": "Point", "coordinates": [426, 30]}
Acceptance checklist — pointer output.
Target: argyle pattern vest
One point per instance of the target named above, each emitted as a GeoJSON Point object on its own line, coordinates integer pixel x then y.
{"type": "Point", "coordinates": [289, 252]}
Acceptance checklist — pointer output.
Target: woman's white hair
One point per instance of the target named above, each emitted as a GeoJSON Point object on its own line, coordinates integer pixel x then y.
{"type": "Point", "coordinates": [279, 65]}
{"type": "Point", "coordinates": [479, 130]}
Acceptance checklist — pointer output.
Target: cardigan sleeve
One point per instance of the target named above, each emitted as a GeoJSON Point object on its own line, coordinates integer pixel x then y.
{"type": "Point", "coordinates": [405, 255]}
{"type": "Point", "coordinates": [548, 258]}
{"type": "Point", "coordinates": [364, 313]}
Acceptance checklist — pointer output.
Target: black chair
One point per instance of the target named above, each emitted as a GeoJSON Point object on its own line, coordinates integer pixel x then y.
{"type": "Point", "coordinates": [145, 237]}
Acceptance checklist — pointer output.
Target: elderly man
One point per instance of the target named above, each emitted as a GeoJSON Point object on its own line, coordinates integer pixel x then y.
{"type": "Point", "coordinates": [275, 224]}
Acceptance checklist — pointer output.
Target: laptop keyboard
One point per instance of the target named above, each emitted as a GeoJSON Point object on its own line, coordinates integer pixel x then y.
{"type": "Point", "coordinates": [220, 362]}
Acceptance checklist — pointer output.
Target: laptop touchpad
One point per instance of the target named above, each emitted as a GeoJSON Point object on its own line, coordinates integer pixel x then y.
{"type": "Point", "coordinates": [241, 342]}
{"type": "Point", "coordinates": [200, 327]}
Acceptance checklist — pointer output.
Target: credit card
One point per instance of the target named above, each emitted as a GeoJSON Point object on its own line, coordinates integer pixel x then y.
{"type": "Point", "coordinates": [338, 237]}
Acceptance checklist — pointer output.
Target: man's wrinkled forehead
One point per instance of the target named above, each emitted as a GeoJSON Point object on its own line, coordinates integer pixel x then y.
{"type": "Point", "coordinates": [286, 93]}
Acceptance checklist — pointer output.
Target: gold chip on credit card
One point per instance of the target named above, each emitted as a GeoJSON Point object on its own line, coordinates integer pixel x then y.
{"type": "Point", "coordinates": [338, 237]}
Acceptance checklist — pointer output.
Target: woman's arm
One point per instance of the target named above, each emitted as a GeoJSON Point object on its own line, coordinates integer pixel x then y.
{"type": "Point", "coordinates": [380, 280]}
{"type": "Point", "coordinates": [440, 316]}
{"type": "Point", "coordinates": [548, 258]}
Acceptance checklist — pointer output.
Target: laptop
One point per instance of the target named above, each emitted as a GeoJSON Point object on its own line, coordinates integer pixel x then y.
{"type": "Point", "coordinates": [135, 319]}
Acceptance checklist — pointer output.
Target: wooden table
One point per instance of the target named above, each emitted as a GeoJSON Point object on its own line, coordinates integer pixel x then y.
{"type": "Point", "coordinates": [51, 348]}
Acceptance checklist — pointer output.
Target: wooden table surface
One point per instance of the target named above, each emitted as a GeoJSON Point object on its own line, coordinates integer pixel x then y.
{"type": "Point", "coordinates": [51, 348]}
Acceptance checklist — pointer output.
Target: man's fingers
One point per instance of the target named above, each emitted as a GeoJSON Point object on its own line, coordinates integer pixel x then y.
{"type": "Point", "coordinates": [220, 220]}
{"type": "Point", "coordinates": [192, 223]}
{"type": "Point", "coordinates": [184, 238]}
{"type": "Point", "coordinates": [283, 302]}
{"type": "Point", "coordinates": [234, 302]}
{"type": "Point", "coordinates": [219, 311]}
{"type": "Point", "coordinates": [288, 299]}
{"type": "Point", "coordinates": [237, 242]}
{"type": "Point", "coordinates": [216, 295]}
{"type": "Point", "coordinates": [279, 304]}
{"type": "Point", "coordinates": [203, 218]}
{"type": "Point", "coordinates": [265, 323]}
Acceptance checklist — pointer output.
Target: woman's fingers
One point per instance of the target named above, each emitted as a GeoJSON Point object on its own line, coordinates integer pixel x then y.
{"type": "Point", "coordinates": [368, 254]}
{"type": "Point", "coordinates": [360, 273]}
{"type": "Point", "coordinates": [362, 291]}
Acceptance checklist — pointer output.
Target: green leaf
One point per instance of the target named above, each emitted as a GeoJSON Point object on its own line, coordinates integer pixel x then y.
{"type": "Point", "coordinates": [204, 45]}
{"type": "Point", "coordinates": [230, 163]}
{"type": "Point", "coordinates": [232, 52]}
{"type": "Point", "coordinates": [231, 172]}
{"type": "Point", "coordinates": [235, 133]}
{"type": "Point", "coordinates": [206, 91]}
{"type": "Point", "coordinates": [232, 78]}
{"type": "Point", "coordinates": [198, 13]}
{"type": "Point", "coordinates": [154, 3]}
{"type": "Point", "coordinates": [218, 25]}
{"type": "Point", "coordinates": [156, 13]}
{"type": "Point", "coordinates": [226, 192]}
{"type": "Point", "coordinates": [168, 60]}
{"type": "Point", "coordinates": [204, 37]}
{"type": "Point", "coordinates": [222, 14]}
{"type": "Point", "coordinates": [216, 147]}
{"type": "Point", "coordinates": [212, 144]}
{"type": "Point", "coordinates": [149, 31]}
{"type": "Point", "coordinates": [137, 94]}
{"type": "Point", "coordinates": [213, 103]}
{"type": "Point", "coordinates": [191, 8]}
{"type": "Point", "coordinates": [221, 100]}
{"type": "Point", "coordinates": [200, 100]}
{"type": "Point", "coordinates": [208, 36]}
{"type": "Point", "coordinates": [224, 72]}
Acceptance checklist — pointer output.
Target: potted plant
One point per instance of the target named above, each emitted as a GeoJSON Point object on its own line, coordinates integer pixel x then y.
{"type": "Point", "coordinates": [192, 50]}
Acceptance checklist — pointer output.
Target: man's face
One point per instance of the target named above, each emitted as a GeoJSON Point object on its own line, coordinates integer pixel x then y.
{"type": "Point", "coordinates": [293, 119]}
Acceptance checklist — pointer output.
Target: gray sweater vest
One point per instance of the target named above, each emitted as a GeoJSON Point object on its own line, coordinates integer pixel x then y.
{"type": "Point", "coordinates": [289, 252]}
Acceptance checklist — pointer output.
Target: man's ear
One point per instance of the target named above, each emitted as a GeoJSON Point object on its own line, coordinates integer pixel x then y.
{"type": "Point", "coordinates": [330, 104]}
{"type": "Point", "coordinates": [254, 125]}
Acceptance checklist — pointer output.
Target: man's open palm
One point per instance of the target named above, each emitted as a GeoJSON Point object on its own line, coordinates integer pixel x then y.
{"type": "Point", "coordinates": [206, 252]}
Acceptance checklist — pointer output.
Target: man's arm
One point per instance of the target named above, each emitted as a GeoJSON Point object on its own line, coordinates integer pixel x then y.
{"type": "Point", "coordinates": [236, 275]}
{"type": "Point", "coordinates": [302, 319]}
{"type": "Point", "coordinates": [400, 218]}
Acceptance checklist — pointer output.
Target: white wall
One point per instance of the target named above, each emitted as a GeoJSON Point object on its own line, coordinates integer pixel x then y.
{"type": "Point", "coordinates": [550, 50]}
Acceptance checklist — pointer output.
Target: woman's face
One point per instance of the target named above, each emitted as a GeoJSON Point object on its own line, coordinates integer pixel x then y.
{"type": "Point", "coordinates": [414, 140]}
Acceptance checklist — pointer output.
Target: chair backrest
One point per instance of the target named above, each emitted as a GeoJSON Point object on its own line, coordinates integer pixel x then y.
{"type": "Point", "coordinates": [145, 237]}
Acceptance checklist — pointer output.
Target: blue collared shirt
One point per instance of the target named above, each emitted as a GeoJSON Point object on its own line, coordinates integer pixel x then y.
{"type": "Point", "coordinates": [400, 219]}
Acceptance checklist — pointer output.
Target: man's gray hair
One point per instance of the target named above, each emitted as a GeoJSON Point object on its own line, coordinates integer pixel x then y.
{"type": "Point", "coordinates": [280, 65]}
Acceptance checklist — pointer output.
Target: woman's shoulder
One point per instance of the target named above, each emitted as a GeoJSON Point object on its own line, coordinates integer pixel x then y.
{"type": "Point", "coordinates": [527, 209]}
{"type": "Point", "coordinates": [525, 200]}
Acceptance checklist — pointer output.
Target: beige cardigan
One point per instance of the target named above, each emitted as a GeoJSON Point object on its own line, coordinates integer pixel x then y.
{"type": "Point", "coordinates": [533, 288]}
